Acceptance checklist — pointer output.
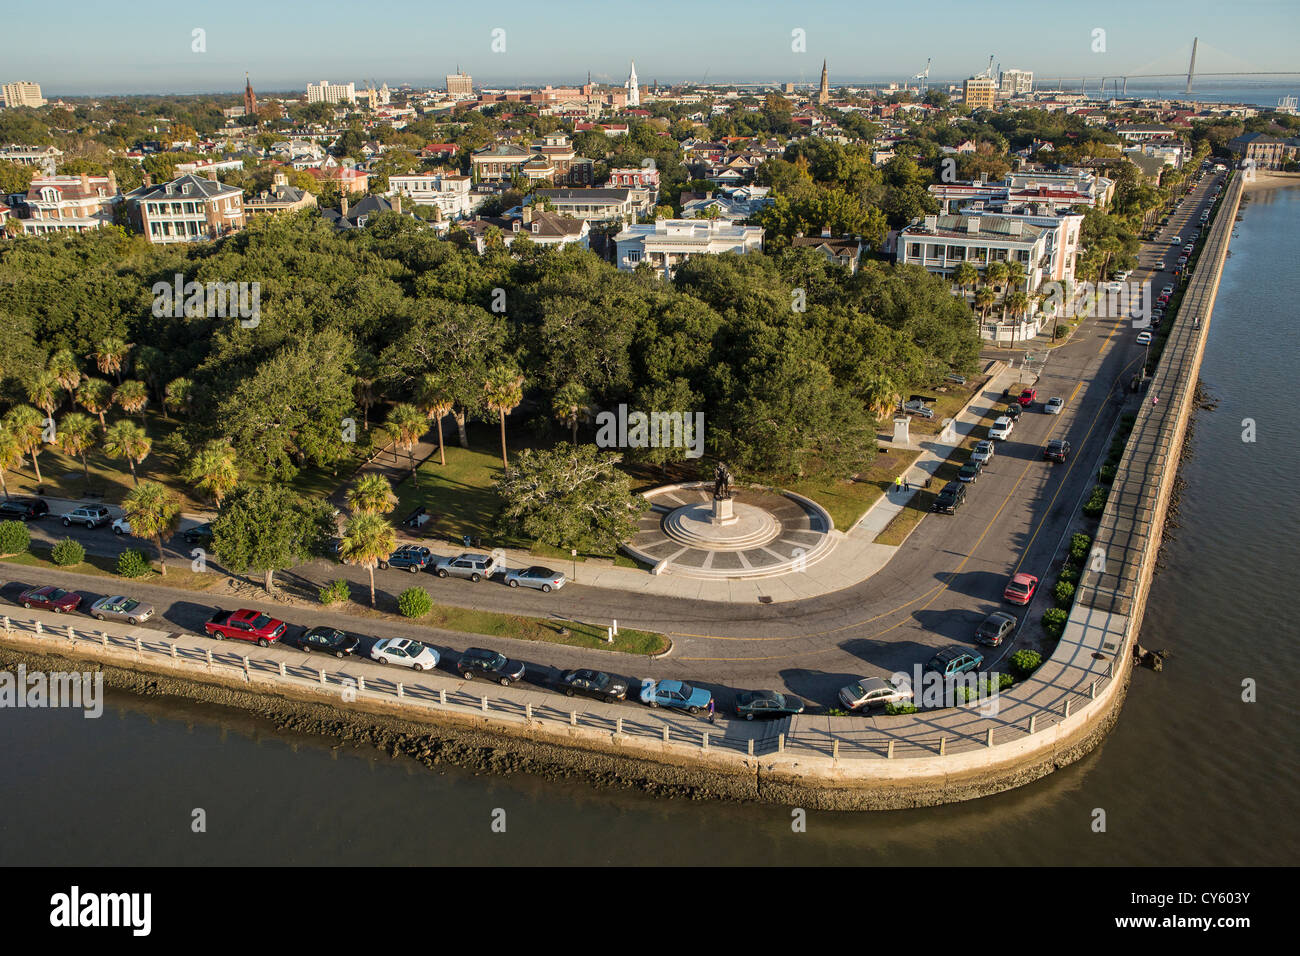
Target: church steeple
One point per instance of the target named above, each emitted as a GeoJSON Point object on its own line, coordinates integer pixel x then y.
{"type": "Point", "coordinates": [824, 91]}
{"type": "Point", "coordinates": [633, 92]}
{"type": "Point", "coordinates": [250, 98]}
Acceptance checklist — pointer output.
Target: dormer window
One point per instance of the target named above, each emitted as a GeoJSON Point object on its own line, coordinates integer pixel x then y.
{"type": "Point", "coordinates": [186, 189]}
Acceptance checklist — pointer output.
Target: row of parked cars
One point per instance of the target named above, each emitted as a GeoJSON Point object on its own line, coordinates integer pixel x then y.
{"type": "Point", "coordinates": [27, 508]}
{"type": "Point", "coordinates": [473, 567]}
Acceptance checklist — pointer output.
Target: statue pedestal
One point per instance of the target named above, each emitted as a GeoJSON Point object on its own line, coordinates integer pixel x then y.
{"type": "Point", "coordinates": [722, 512]}
{"type": "Point", "coordinates": [902, 432]}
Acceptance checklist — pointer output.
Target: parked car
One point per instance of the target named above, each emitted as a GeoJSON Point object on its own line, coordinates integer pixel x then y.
{"type": "Point", "coordinates": [23, 508]}
{"type": "Point", "coordinates": [1123, 275]}
{"type": "Point", "coordinates": [1000, 430]}
{"type": "Point", "coordinates": [970, 472]}
{"type": "Point", "coordinates": [245, 625]}
{"type": "Point", "coordinates": [952, 497]}
{"type": "Point", "coordinates": [409, 557]}
{"type": "Point", "coordinates": [92, 516]}
{"type": "Point", "coordinates": [472, 566]}
{"type": "Point", "coordinates": [481, 662]}
{"type": "Point", "coordinates": [767, 703]}
{"type": "Point", "coordinates": [1054, 405]}
{"type": "Point", "coordinates": [121, 526]}
{"type": "Point", "coordinates": [1182, 261]}
{"type": "Point", "coordinates": [327, 640]}
{"type": "Point", "coordinates": [995, 628]}
{"type": "Point", "coordinates": [954, 660]}
{"type": "Point", "coordinates": [405, 653]}
{"type": "Point", "coordinates": [1157, 315]}
{"type": "Point", "coordinates": [874, 692]}
{"type": "Point", "coordinates": [121, 608]}
{"type": "Point", "coordinates": [1027, 397]}
{"type": "Point", "coordinates": [1014, 411]}
{"type": "Point", "coordinates": [544, 579]}
{"type": "Point", "coordinates": [595, 684]}
{"type": "Point", "coordinates": [918, 408]}
{"type": "Point", "coordinates": [1176, 241]}
{"type": "Point", "coordinates": [1167, 290]}
{"type": "Point", "coordinates": [1058, 449]}
{"type": "Point", "coordinates": [982, 452]}
{"type": "Point", "coordinates": [675, 694]}
{"type": "Point", "coordinates": [50, 598]}
{"type": "Point", "coordinates": [1189, 247]}
{"type": "Point", "coordinates": [1144, 338]}
{"type": "Point", "coordinates": [1020, 589]}
{"type": "Point", "coordinates": [1160, 265]}
{"type": "Point", "coordinates": [199, 534]}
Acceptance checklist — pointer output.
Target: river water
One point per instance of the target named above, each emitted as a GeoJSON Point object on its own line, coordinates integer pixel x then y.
{"type": "Point", "coordinates": [1190, 775]}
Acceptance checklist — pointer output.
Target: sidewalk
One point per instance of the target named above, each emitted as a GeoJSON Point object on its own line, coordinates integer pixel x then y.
{"type": "Point", "coordinates": [934, 453]}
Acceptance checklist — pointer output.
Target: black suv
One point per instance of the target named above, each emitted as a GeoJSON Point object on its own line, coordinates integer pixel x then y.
{"type": "Point", "coordinates": [950, 499]}
{"type": "Point", "coordinates": [1014, 411]}
{"type": "Point", "coordinates": [480, 662]}
{"type": "Point", "coordinates": [24, 509]}
{"type": "Point", "coordinates": [1058, 449]}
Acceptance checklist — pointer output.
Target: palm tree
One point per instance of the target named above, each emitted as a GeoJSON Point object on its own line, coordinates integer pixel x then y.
{"type": "Point", "coordinates": [407, 424]}
{"type": "Point", "coordinates": [128, 440]}
{"type": "Point", "coordinates": [76, 434]}
{"type": "Point", "coordinates": [42, 387]}
{"type": "Point", "coordinates": [63, 364]}
{"type": "Point", "coordinates": [1017, 304]}
{"type": "Point", "coordinates": [372, 495]}
{"type": "Point", "coordinates": [368, 539]}
{"type": "Point", "coordinates": [502, 393]}
{"type": "Point", "coordinates": [984, 299]}
{"type": "Point", "coordinates": [178, 395]}
{"type": "Point", "coordinates": [110, 355]}
{"type": "Point", "coordinates": [213, 470]}
{"type": "Point", "coordinates": [11, 456]}
{"type": "Point", "coordinates": [28, 428]}
{"type": "Point", "coordinates": [154, 511]}
{"type": "Point", "coordinates": [1015, 274]}
{"type": "Point", "coordinates": [132, 396]}
{"type": "Point", "coordinates": [996, 274]}
{"type": "Point", "coordinates": [96, 396]}
{"type": "Point", "coordinates": [151, 364]}
{"type": "Point", "coordinates": [966, 276]}
{"type": "Point", "coordinates": [433, 397]}
{"type": "Point", "coordinates": [879, 394]}
{"type": "Point", "coordinates": [569, 406]}
{"type": "Point", "coordinates": [366, 376]}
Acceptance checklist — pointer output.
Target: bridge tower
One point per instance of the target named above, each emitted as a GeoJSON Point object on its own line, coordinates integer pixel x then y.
{"type": "Point", "coordinates": [1191, 67]}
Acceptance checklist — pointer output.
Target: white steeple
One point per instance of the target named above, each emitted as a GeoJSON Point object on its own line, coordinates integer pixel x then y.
{"type": "Point", "coordinates": [633, 94]}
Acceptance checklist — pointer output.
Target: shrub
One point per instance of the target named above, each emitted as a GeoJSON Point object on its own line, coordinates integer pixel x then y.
{"type": "Point", "coordinates": [1054, 621]}
{"type": "Point", "coordinates": [1064, 594]}
{"type": "Point", "coordinates": [414, 602]}
{"type": "Point", "coordinates": [1069, 573]}
{"type": "Point", "coordinates": [1106, 474]}
{"type": "Point", "coordinates": [1096, 502]}
{"type": "Point", "coordinates": [1080, 545]}
{"type": "Point", "coordinates": [14, 537]}
{"type": "Point", "coordinates": [336, 592]}
{"type": "Point", "coordinates": [67, 552]}
{"type": "Point", "coordinates": [836, 712]}
{"type": "Point", "coordinates": [1025, 663]}
{"type": "Point", "coordinates": [894, 710]}
{"type": "Point", "coordinates": [132, 563]}
{"type": "Point", "coordinates": [1005, 681]}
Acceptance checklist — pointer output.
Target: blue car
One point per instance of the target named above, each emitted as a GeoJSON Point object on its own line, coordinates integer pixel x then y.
{"type": "Point", "coordinates": [674, 693]}
{"type": "Point", "coordinates": [411, 557]}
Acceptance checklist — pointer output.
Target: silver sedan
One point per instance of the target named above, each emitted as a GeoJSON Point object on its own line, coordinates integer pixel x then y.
{"type": "Point", "coordinates": [544, 579]}
{"type": "Point", "coordinates": [119, 608]}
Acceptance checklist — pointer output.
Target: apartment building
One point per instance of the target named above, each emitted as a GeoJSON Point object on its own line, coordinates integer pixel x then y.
{"type": "Point", "coordinates": [980, 92]}
{"type": "Point", "coordinates": [68, 204]}
{"type": "Point", "coordinates": [23, 93]}
{"type": "Point", "coordinates": [327, 92]}
{"type": "Point", "coordinates": [666, 243]}
{"type": "Point", "coordinates": [500, 162]}
{"type": "Point", "coordinates": [1266, 152]}
{"type": "Point", "coordinates": [1014, 82]}
{"type": "Point", "coordinates": [460, 85]}
{"type": "Point", "coordinates": [187, 209]}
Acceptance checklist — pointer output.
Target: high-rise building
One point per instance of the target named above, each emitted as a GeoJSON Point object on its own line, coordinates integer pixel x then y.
{"type": "Point", "coordinates": [460, 84]}
{"type": "Point", "coordinates": [1016, 81]}
{"type": "Point", "coordinates": [327, 92]}
{"type": "Point", "coordinates": [23, 93]}
{"type": "Point", "coordinates": [824, 91]}
{"type": "Point", "coordinates": [250, 98]}
{"type": "Point", "coordinates": [633, 93]}
{"type": "Point", "coordinates": [980, 92]}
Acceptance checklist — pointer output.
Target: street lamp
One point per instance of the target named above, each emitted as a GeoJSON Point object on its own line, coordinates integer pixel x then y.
{"type": "Point", "coordinates": [573, 552]}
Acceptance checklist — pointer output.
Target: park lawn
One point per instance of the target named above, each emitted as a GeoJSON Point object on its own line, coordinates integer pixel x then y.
{"type": "Point", "coordinates": [100, 565]}
{"type": "Point", "coordinates": [847, 499]}
{"type": "Point", "coordinates": [517, 627]}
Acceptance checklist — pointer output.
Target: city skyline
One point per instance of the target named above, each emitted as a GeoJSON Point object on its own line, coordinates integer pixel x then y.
{"type": "Point", "coordinates": [862, 46]}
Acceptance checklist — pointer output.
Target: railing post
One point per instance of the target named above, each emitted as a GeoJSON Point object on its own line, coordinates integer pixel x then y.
{"type": "Point", "coordinates": [139, 646]}
{"type": "Point", "coordinates": [573, 718]}
{"type": "Point", "coordinates": [618, 727]}
{"type": "Point", "coordinates": [988, 737]}
{"type": "Point", "coordinates": [361, 684]}
{"type": "Point", "coordinates": [528, 712]}
{"type": "Point", "coordinates": [943, 745]}
{"type": "Point", "coordinates": [282, 670]}
{"type": "Point", "coordinates": [103, 639]}
{"type": "Point", "coordinates": [484, 703]}
{"type": "Point", "coordinates": [442, 696]}
{"type": "Point", "coordinates": [37, 628]}
{"type": "Point", "coordinates": [704, 741]}
{"type": "Point", "coordinates": [72, 634]}
{"type": "Point", "coordinates": [889, 754]}
{"type": "Point", "coordinates": [400, 692]}
{"type": "Point", "coordinates": [209, 657]}
{"type": "Point", "coordinates": [751, 746]}
{"type": "Point", "coordinates": [6, 622]}
{"type": "Point", "coordinates": [1033, 723]}
{"type": "Point", "coordinates": [835, 749]}
{"type": "Point", "coordinates": [323, 679]}
{"type": "Point", "coordinates": [1067, 707]}
{"type": "Point", "coordinates": [173, 650]}
{"type": "Point", "coordinates": [665, 733]}
{"type": "Point", "coordinates": [248, 675]}
{"type": "Point", "coordinates": [780, 743]}
{"type": "Point", "coordinates": [1092, 689]}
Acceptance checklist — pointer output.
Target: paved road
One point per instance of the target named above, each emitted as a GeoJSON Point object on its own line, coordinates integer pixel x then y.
{"type": "Point", "coordinates": [943, 581]}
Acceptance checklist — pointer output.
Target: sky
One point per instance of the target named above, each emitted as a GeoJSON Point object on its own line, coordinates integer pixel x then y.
{"type": "Point", "coordinates": [149, 46]}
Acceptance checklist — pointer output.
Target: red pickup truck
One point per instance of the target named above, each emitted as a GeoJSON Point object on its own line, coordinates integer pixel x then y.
{"type": "Point", "coordinates": [245, 625]}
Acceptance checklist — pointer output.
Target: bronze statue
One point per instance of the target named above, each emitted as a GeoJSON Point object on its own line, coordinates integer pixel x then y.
{"type": "Point", "coordinates": [721, 481]}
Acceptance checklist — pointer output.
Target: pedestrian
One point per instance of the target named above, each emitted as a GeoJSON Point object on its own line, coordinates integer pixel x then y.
{"type": "Point", "coordinates": [711, 710]}
{"type": "Point", "coordinates": [898, 483]}
{"type": "Point", "coordinates": [907, 484]}
{"type": "Point", "coordinates": [1155, 399]}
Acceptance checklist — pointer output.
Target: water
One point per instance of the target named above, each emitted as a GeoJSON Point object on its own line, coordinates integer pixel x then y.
{"type": "Point", "coordinates": [1191, 774]}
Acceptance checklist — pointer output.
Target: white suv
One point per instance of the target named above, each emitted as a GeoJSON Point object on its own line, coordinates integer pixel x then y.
{"type": "Point", "coordinates": [1001, 429]}
{"type": "Point", "coordinates": [472, 566]}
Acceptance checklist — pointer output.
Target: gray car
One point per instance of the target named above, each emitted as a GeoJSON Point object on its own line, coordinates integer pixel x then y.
{"type": "Point", "coordinates": [120, 608]}
{"type": "Point", "coordinates": [92, 516]}
{"type": "Point", "coordinates": [472, 566]}
{"type": "Point", "coordinates": [544, 579]}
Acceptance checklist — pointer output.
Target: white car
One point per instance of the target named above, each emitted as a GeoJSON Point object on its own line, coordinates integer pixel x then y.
{"type": "Point", "coordinates": [1123, 276]}
{"type": "Point", "coordinates": [1160, 266]}
{"type": "Point", "coordinates": [1000, 430]}
{"type": "Point", "coordinates": [1167, 290]}
{"type": "Point", "coordinates": [1144, 338]}
{"type": "Point", "coordinates": [121, 526]}
{"type": "Point", "coordinates": [1054, 405]}
{"type": "Point", "coordinates": [1176, 241]}
{"type": "Point", "coordinates": [412, 654]}
{"type": "Point", "coordinates": [872, 692]}
{"type": "Point", "coordinates": [982, 452]}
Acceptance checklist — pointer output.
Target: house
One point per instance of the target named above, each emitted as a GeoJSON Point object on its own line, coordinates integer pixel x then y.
{"type": "Point", "coordinates": [842, 251]}
{"type": "Point", "coordinates": [499, 162]}
{"type": "Point", "coordinates": [1266, 152]}
{"type": "Point", "coordinates": [449, 193]}
{"type": "Point", "coordinates": [187, 209]}
{"type": "Point", "coordinates": [543, 228]}
{"type": "Point", "coordinates": [666, 243]}
{"type": "Point", "coordinates": [68, 204]}
{"type": "Point", "coordinates": [346, 178]}
{"type": "Point", "coordinates": [358, 216]}
{"type": "Point", "coordinates": [733, 203]}
{"type": "Point", "coordinates": [281, 197]}
{"type": "Point", "coordinates": [46, 157]}
{"type": "Point", "coordinates": [439, 152]}
{"type": "Point", "coordinates": [598, 205]}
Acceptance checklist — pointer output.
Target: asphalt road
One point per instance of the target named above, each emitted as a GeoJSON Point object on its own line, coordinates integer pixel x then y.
{"type": "Point", "coordinates": [945, 579]}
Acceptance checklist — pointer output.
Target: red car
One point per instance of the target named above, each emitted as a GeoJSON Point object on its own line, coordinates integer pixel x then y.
{"type": "Point", "coordinates": [1020, 589]}
{"type": "Point", "coordinates": [50, 598]}
{"type": "Point", "coordinates": [1027, 396]}
{"type": "Point", "coordinates": [245, 625]}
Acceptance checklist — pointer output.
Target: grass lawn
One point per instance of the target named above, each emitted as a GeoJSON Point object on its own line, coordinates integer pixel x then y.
{"type": "Point", "coordinates": [106, 566]}
{"type": "Point", "coordinates": [847, 500]}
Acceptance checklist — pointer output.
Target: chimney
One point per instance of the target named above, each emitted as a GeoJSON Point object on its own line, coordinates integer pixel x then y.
{"type": "Point", "coordinates": [85, 182]}
{"type": "Point", "coordinates": [931, 223]}
{"type": "Point", "coordinates": [397, 203]}
{"type": "Point", "coordinates": [343, 203]}
{"type": "Point", "coordinates": [826, 232]}
{"type": "Point", "coordinates": [112, 183]}
{"type": "Point", "coordinates": [528, 214]}
{"type": "Point", "coordinates": [972, 225]}
{"type": "Point", "coordinates": [1015, 227]}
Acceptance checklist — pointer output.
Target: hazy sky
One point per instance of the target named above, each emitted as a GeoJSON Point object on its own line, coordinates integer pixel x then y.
{"type": "Point", "coordinates": [145, 45]}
